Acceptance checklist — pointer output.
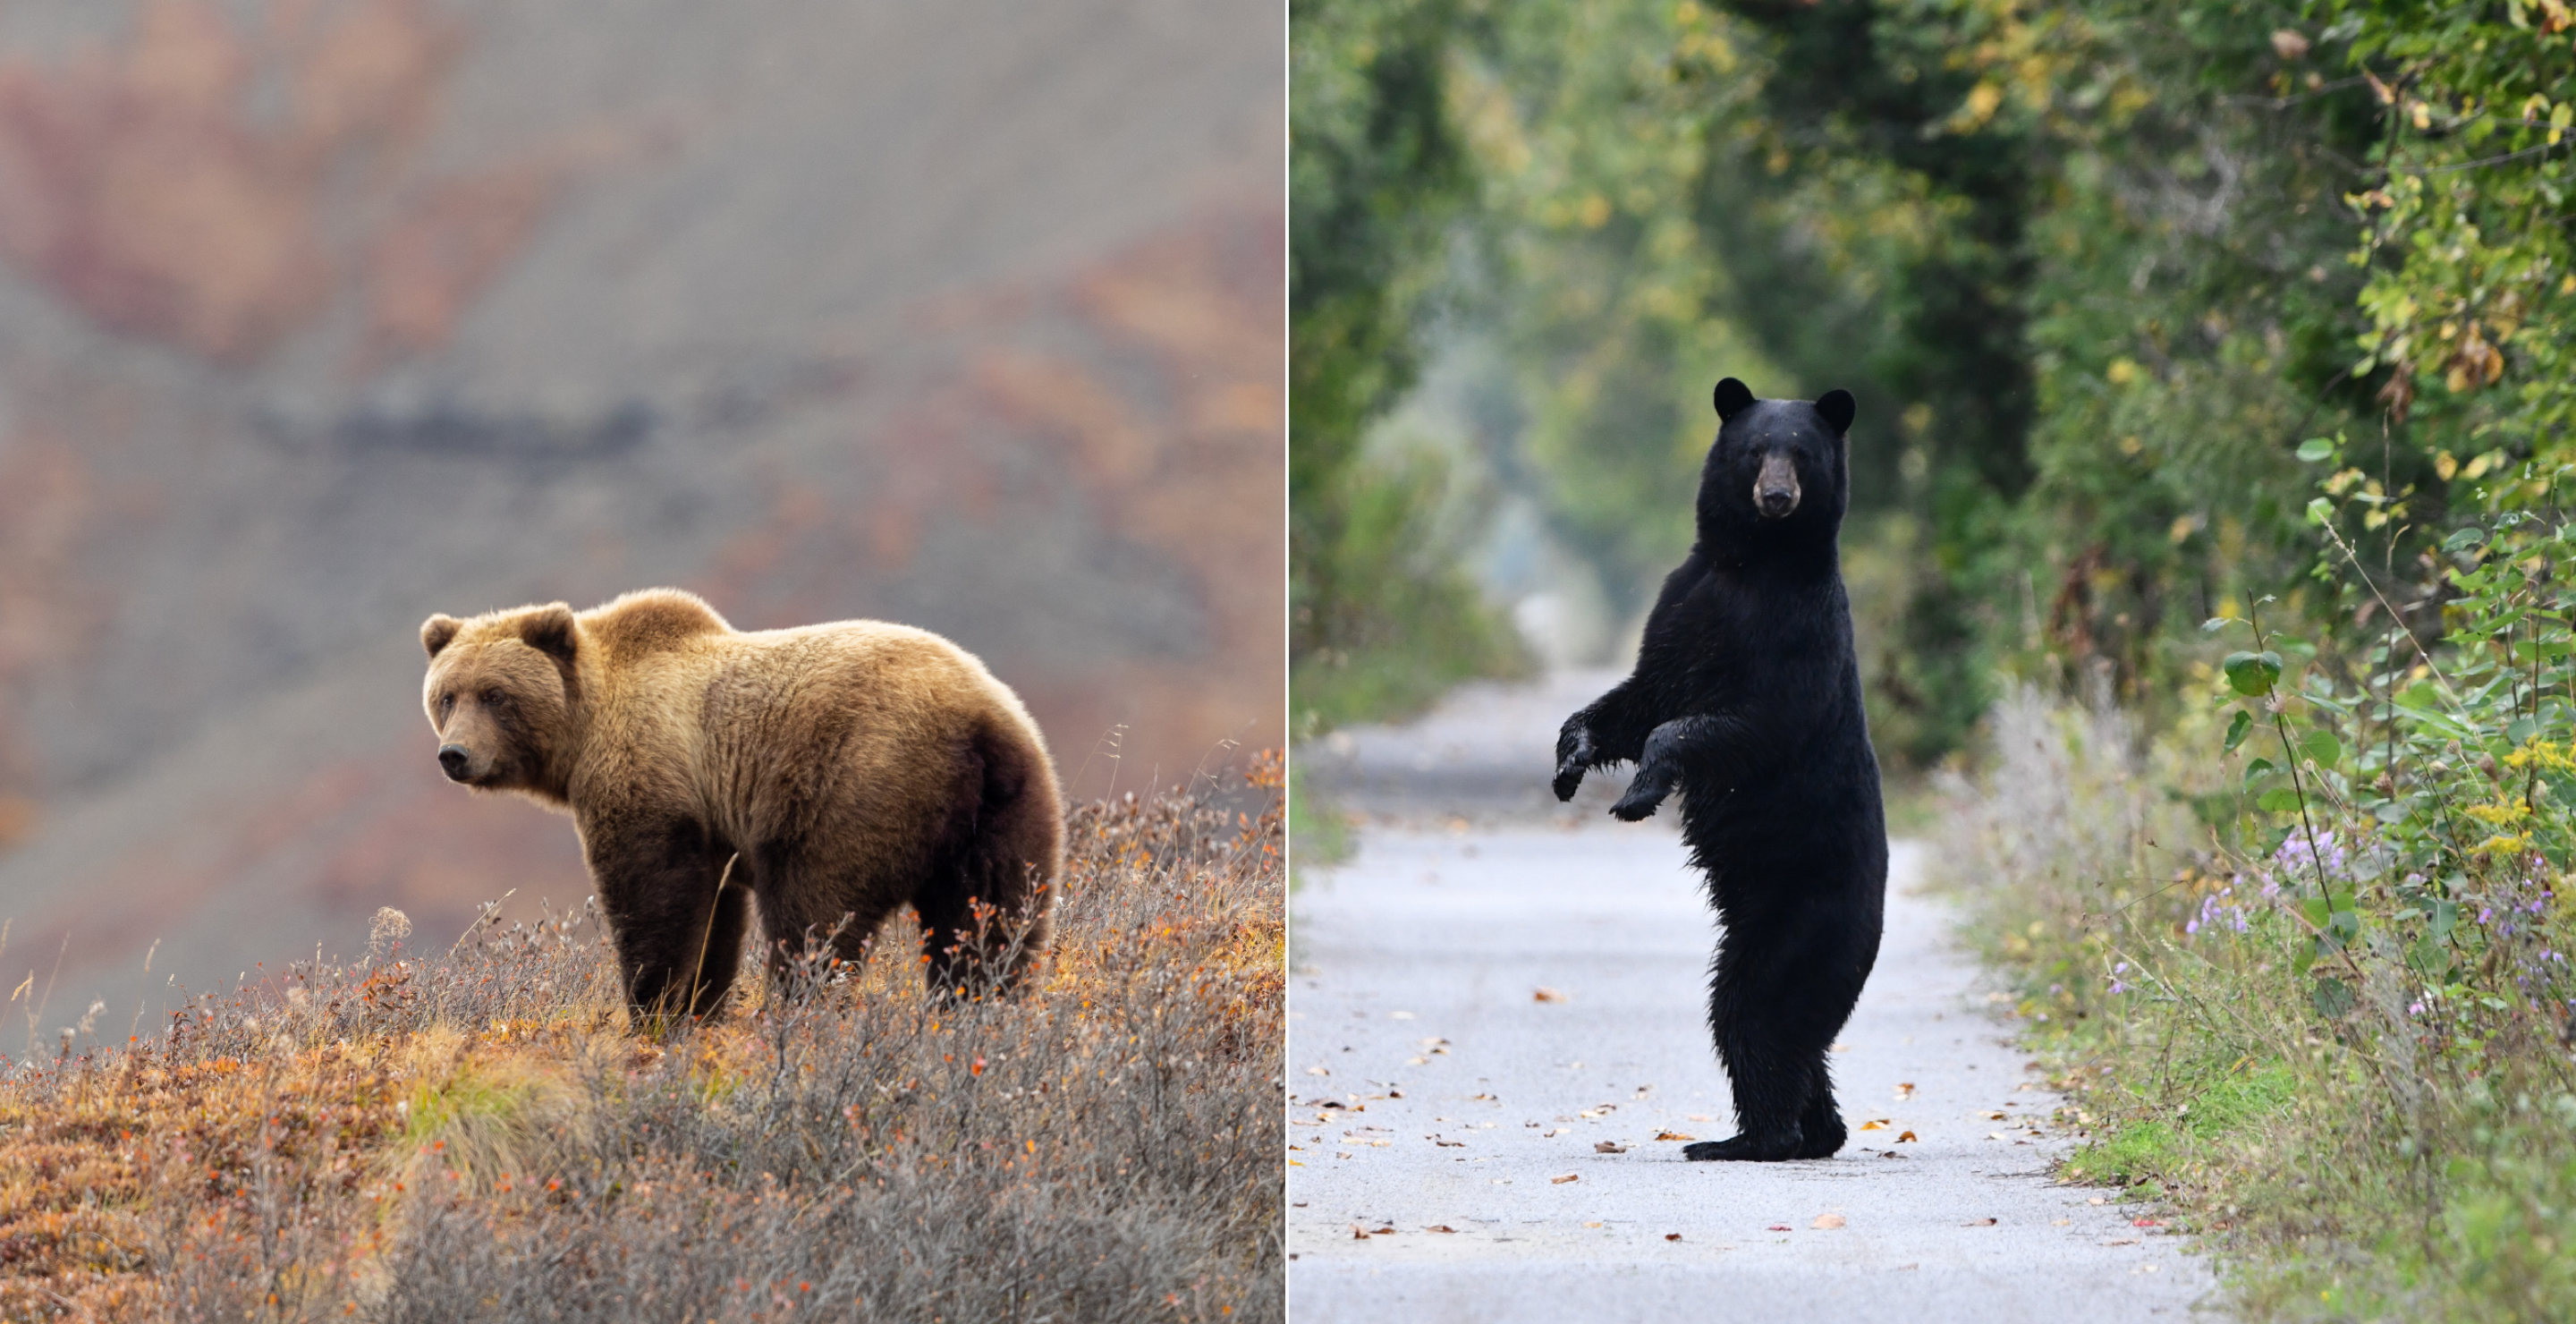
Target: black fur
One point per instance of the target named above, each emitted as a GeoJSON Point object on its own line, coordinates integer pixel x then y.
{"type": "Point", "coordinates": [1747, 700]}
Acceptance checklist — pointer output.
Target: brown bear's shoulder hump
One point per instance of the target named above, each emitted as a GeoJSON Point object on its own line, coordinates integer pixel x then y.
{"type": "Point", "coordinates": [652, 620]}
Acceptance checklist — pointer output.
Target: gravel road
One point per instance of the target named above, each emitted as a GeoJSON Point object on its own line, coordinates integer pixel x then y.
{"type": "Point", "coordinates": [1496, 1052]}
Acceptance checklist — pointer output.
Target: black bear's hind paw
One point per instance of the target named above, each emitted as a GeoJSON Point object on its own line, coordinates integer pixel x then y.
{"type": "Point", "coordinates": [1568, 779]}
{"type": "Point", "coordinates": [1745, 1149]}
{"type": "Point", "coordinates": [1823, 1146]}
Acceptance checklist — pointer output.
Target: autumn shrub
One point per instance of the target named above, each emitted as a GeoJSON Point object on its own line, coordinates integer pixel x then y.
{"type": "Point", "coordinates": [479, 1134]}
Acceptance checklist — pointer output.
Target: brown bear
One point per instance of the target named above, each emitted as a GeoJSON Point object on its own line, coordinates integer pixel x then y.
{"type": "Point", "coordinates": [833, 772]}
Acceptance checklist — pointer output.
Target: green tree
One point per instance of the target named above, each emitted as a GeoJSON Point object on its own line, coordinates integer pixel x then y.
{"type": "Point", "coordinates": [1382, 618]}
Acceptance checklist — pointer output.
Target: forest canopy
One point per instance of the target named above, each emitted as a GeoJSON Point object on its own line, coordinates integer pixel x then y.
{"type": "Point", "coordinates": [2096, 270]}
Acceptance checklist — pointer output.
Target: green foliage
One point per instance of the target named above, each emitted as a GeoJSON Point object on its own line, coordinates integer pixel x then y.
{"type": "Point", "coordinates": [2468, 243]}
{"type": "Point", "coordinates": [1381, 618]}
{"type": "Point", "coordinates": [1594, 129]}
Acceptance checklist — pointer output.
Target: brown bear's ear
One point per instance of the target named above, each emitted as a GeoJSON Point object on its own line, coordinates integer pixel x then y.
{"type": "Point", "coordinates": [550, 630]}
{"type": "Point", "coordinates": [438, 632]}
{"type": "Point", "coordinates": [1838, 407]}
{"type": "Point", "coordinates": [1733, 397]}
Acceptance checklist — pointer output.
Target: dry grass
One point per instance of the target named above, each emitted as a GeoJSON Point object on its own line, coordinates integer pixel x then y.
{"type": "Point", "coordinates": [477, 1136]}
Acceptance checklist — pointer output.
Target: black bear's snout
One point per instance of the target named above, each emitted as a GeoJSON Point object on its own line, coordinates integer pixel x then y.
{"type": "Point", "coordinates": [1775, 493]}
{"type": "Point", "coordinates": [452, 759]}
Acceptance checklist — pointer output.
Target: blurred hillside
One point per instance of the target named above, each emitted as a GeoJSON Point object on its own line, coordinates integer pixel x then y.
{"type": "Point", "coordinates": [318, 317]}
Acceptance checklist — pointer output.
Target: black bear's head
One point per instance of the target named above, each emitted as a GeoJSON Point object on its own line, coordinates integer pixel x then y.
{"type": "Point", "coordinates": [1779, 472]}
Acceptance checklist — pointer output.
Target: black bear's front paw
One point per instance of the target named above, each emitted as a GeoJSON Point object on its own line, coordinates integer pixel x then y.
{"type": "Point", "coordinates": [1574, 756]}
{"type": "Point", "coordinates": [1645, 794]}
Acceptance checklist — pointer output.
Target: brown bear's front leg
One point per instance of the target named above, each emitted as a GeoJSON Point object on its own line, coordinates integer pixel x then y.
{"type": "Point", "coordinates": [678, 937]}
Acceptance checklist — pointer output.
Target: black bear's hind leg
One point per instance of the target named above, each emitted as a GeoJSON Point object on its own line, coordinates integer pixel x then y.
{"type": "Point", "coordinates": [1770, 1088]}
{"type": "Point", "coordinates": [1820, 1127]}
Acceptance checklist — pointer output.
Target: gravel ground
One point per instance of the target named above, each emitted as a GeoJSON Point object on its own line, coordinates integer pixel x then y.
{"type": "Point", "coordinates": [1497, 1050]}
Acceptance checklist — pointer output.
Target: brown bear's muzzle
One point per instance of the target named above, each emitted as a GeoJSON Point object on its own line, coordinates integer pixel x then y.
{"type": "Point", "coordinates": [456, 761]}
{"type": "Point", "coordinates": [1775, 492]}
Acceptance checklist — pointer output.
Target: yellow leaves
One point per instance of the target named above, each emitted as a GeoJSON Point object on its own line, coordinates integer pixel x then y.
{"type": "Point", "coordinates": [2122, 371]}
{"type": "Point", "coordinates": [2445, 464]}
{"type": "Point", "coordinates": [2475, 364]}
{"type": "Point", "coordinates": [1593, 212]}
{"type": "Point", "coordinates": [1983, 101]}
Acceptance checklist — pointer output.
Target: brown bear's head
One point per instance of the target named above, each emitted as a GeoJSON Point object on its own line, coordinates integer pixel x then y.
{"type": "Point", "coordinates": [500, 695]}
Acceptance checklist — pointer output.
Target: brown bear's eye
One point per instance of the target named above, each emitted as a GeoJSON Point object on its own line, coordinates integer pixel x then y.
{"type": "Point", "coordinates": [446, 705]}
{"type": "Point", "coordinates": [494, 698]}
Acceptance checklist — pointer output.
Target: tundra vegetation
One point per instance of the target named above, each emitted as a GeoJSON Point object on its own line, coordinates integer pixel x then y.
{"type": "Point", "coordinates": [2217, 553]}
{"type": "Point", "coordinates": [478, 1133]}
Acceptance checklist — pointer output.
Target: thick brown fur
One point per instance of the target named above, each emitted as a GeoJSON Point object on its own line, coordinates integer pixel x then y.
{"type": "Point", "coordinates": [842, 770]}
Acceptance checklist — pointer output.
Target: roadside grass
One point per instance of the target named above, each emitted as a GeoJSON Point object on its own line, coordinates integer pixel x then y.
{"type": "Point", "coordinates": [478, 1135]}
{"type": "Point", "coordinates": [2402, 1155]}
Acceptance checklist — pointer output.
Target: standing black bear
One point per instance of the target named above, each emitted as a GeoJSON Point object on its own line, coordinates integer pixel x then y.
{"type": "Point", "coordinates": [1747, 697]}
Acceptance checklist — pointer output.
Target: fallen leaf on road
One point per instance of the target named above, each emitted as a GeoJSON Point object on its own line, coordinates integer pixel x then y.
{"type": "Point", "coordinates": [1697, 1117]}
{"type": "Point", "coordinates": [2146, 1222]}
{"type": "Point", "coordinates": [2093, 1200]}
{"type": "Point", "coordinates": [1979, 1222]}
{"type": "Point", "coordinates": [2122, 1241]}
{"type": "Point", "coordinates": [1440, 1227]}
{"type": "Point", "coordinates": [1905, 1090]}
{"type": "Point", "coordinates": [1778, 1227]}
{"type": "Point", "coordinates": [1880, 1124]}
{"type": "Point", "coordinates": [2060, 1222]}
{"type": "Point", "coordinates": [1992, 1116]}
{"type": "Point", "coordinates": [1673, 1135]}
{"type": "Point", "coordinates": [1605, 1147]}
{"type": "Point", "coordinates": [1560, 1181]}
{"type": "Point", "coordinates": [1827, 1221]}
{"type": "Point", "coordinates": [1417, 1061]}
{"type": "Point", "coordinates": [1317, 1071]}
{"type": "Point", "coordinates": [1672, 1236]}
{"type": "Point", "coordinates": [1903, 1136]}
{"type": "Point", "coordinates": [1994, 1135]}
{"type": "Point", "coordinates": [1547, 995]}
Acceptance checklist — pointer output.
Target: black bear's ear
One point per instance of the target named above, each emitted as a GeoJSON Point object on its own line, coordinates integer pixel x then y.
{"type": "Point", "coordinates": [1733, 397]}
{"type": "Point", "coordinates": [550, 630]}
{"type": "Point", "coordinates": [1838, 407]}
{"type": "Point", "coordinates": [438, 632]}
